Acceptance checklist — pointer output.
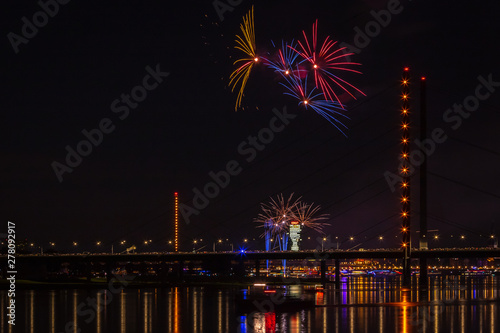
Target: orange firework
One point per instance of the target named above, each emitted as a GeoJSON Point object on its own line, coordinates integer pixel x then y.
{"type": "Point", "coordinates": [246, 44]}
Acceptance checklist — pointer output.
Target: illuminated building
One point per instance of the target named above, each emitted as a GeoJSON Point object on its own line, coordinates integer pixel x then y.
{"type": "Point", "coordinates": [295, 228]}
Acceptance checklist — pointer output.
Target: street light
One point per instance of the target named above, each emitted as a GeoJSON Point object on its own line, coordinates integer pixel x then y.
{"type": "Point", "coordinates": [218, 241]}
{"type": "Point", "coordinates": [98, 244]}
{"type": "Point", "coordinates": [322, 241]}
{"type": "Point", "coordinates": [170, 243]}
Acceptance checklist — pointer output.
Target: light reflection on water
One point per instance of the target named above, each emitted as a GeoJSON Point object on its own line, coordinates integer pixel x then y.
{"type": "Point", "coordinates": [453, 304]}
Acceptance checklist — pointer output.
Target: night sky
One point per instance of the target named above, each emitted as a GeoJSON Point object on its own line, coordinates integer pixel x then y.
{"type": "Point", "coordinates": [66, 77]}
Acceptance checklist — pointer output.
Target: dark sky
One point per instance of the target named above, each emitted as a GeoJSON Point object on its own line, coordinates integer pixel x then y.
{"type": "Point", "coordinates": [65, 78]}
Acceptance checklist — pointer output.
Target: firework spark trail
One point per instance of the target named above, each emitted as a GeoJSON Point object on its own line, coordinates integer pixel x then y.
{"type": "Point", "coordinates": [325, 62]}
{"type": "Point", "coordinates": [246, 44]}
{"type": "Point", "coordinates": [328, 109]}
{"type": "Point", "coordinates": [286, 59]}
{"type": "Point", "coordinates": [305, 214]}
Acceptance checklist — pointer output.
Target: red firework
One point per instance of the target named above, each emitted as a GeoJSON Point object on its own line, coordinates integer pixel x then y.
{"type": "Point", "coordinates": [325, 62]}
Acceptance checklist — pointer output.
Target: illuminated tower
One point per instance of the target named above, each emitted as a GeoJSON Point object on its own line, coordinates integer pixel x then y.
{"type": "Point", "coordinates": [404, 172]}
{"type": "Point", "coordinates": [176, 222]}
{"type": "Point", "coordinates": [295, 234]}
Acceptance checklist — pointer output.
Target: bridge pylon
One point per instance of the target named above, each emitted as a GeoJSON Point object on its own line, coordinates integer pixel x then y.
{"type": "Point", "coordinates": [423, 245]}
{"type": "Point", "coordinates": [423, 169]}
{"type": "Point", "coordinates": [405, 172]}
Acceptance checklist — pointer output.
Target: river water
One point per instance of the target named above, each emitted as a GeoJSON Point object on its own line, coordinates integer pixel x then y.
{"type": "Point", "coordinates": [364, 304]}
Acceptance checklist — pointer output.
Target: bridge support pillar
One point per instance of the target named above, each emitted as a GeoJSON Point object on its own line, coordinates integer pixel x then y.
{"type": "Point", "coordinates": [423, 281]}
{"type": "Point", "coordinates": [88, 271]}
{"type": "Point", "coordinates": [163, 272]}
{"type": "Point", "coordinates": [109, 275]}
{"type": "Point", "coordinates": [257, 268]}
{"type": "Point", "coordinates": [323, 271]}
{"type": "Point", "coordinates": [180, 269]}
{"type": "Point", "coordinates": [240, 268]}
{"type": "Point", "coordinates": [406, 267]}
{"type": "Point", "coordinates": [337, 273]}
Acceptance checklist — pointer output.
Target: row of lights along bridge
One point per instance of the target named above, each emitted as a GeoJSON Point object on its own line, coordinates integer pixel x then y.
{"type": "Point", "coordinates": [201, 245]}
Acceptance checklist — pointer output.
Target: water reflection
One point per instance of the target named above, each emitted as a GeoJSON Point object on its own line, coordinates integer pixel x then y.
{"type": "Point", "coordinates": [52, 305]}
{"type": "Point", "coordinates": [100, 308]}
{"type": "Point", "coordinates": [123, 312]}
{"type": "Point", "coordinates": [147, 311]}
{"type": "Point", "coordinates": [453, 304]}
{"type": "Point", "coordinates": [176, 314]}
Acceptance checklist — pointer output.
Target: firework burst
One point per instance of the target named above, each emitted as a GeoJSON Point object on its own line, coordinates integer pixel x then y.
{"type": "Point", "coordinates": [306, 213]}
{"type": "Point", "coordinates": [330, 110]}
{"type": "Point", "coordinates": [276, 214]}
{"type": "Point", "coordinates": [325, 62]}
{"type": "Point", "coordinates": [279, 212]}
{"type": "Point", "coordinates": [246, 44]}
{"type": "Point", "coordinates": [286, 58]}
{"type": "Point", "coordinates": [295, 62]}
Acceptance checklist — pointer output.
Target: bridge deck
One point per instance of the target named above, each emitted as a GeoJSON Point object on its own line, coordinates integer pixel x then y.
{"type": "Point", "coordinates": [248, 255]}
